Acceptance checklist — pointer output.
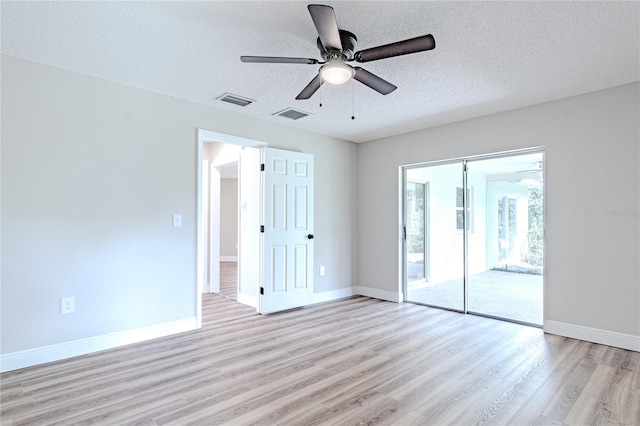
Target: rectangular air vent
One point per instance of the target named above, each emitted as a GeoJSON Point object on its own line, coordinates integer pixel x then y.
{"type": "Point", "coordinates": [235, 99]}
{"type": "Point", "coordinates": [292, 113]}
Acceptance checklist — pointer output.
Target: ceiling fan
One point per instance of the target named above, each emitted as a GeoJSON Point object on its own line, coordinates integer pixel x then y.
{"type": "Point", "coordinates": [337, 47]}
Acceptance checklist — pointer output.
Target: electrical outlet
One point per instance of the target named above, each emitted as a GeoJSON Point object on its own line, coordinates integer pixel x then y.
{"type": "Point", "coordinates": [322, 271]}
{"type": "Point", "coordinates": [67, 305]}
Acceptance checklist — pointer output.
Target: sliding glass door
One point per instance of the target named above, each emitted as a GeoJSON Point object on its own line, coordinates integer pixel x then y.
{"type": "Point", "coordinates": [506, 248]}
{"type": "Point", "coordinates": [434, 236]}
{"type": "Point", "coordinates": [473, 236]}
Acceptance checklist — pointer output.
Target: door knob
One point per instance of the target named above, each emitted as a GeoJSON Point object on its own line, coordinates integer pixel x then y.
{"type": "Point", "coordinates": [310, 236]}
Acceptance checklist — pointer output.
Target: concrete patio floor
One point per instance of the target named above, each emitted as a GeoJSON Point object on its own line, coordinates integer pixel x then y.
{"type": "Point", "coordinates": [509, 295]}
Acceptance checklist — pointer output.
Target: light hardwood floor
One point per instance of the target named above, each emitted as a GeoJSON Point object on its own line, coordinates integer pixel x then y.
{"type": "Point", "coordinates": [229, 280]}
{"type": "Point", "coordinates": [354, 361]}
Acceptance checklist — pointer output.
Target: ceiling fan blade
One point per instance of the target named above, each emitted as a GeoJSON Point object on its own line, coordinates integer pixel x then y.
{"type": "Point", "coordinates": [324, 18]}
{"type": "Point", "coordinates": [311, 88]}
{"type": "Point", "coordinates": [412, 45]}
{"type": "Point", "coordinates": [376, 83]}
{"type": "Point", "coordinates": [277, 60]}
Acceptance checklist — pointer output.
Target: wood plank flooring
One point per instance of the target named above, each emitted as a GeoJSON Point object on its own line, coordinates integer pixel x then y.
{"type": "Point", "coordinates": [354, 361]}
{"type": "Point", "coordinates": [229, 280]}
{"type": "Point", "coordinates": [217, 309]}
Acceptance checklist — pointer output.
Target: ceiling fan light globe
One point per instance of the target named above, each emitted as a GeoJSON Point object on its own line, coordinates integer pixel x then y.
{"type": "Point", "coordinates": [336, 73]}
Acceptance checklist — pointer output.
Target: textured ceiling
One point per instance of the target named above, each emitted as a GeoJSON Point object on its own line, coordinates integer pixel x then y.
{"type": "Point", "coordinates": [489, 56]}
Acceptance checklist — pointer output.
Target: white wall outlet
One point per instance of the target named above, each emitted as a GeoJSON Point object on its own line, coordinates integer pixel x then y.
{"type": "Point", "coordinates": [67, 305]}
{"type": "Point", "coordinates": [177, 220]}
{"type": "Point", "coordinates": [322, 271]}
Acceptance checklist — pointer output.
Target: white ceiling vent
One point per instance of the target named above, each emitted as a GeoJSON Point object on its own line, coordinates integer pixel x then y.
{"type": "Point", "coordinates": [235, 99]}
{"type": "Point", "coordinates": [292, 113]}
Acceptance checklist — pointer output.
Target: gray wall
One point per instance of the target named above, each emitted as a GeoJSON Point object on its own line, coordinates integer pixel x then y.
{"type": "Point", "coordinates": [592, 153]}
{"type": "Point", "coordinates": [92, 172]}
{"type": "Point", "coordinates": [229, 217]}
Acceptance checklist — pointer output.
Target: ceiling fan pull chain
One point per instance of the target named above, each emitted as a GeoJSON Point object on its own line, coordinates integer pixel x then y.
{"type": "Point", "coordinates": [320, 94]}
{"type": "Point", "coordinates": [353, 100]}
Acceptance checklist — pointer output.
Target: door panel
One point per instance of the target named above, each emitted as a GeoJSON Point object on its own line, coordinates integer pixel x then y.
{"type": "Point", "coordinates": [279, 207]}
{"type": "Point", "coordinates": [278, 280]}
{"type": "Point", "coordinates": [287, 240]}
{"type": "Point", "coordinates": [301, 208]}
{"type": "Point", "coordinates": [435, 238]}
{"type": "Point", "coordinates": [505, 246]}
{"type": "Point", "coordinates": [300, 267]}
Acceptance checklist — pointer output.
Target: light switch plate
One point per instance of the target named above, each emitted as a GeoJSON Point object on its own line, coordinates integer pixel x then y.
{"type": "Point", "coordinates": [177, 220]}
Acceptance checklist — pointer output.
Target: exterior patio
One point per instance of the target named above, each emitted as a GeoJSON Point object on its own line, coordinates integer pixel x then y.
{"type": "Point", "coordinates": [510, 295]}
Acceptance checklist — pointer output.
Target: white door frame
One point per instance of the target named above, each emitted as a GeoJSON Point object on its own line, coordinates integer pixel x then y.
{"type": "Point", "coordinates": [214, 224]}
{"type": "Point", "coordinates": [205, 135]}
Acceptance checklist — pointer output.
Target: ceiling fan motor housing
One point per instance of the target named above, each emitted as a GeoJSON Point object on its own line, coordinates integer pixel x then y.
{"type": "Point", "coordinates": [349, 43]}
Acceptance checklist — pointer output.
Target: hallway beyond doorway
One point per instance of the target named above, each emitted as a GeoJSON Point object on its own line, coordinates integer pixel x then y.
{"type": "Point", "coordinates": [229, 280]}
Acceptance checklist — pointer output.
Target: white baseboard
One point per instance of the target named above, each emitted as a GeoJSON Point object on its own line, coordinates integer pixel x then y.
{"type": "Point", "coordinates": [245, 299]}
{"type": "Point", "coordinates": [228, 258]}
{"type": "Point", "coordinates": [595, 335]}
{"type": "Point", "coordinates": [327, 296]}
{"type": "Point", "coordinates": [44, 354]}
{"type": "Point", "coordinates": [391, 296]}
{"type": "Point", "coordinates": [41, 355]}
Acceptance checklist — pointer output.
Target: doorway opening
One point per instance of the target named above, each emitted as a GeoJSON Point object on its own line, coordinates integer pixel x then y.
{"type": "Point", "coordinates": [228, 193]}
{"type": "Point", "coordinates": [274, 223]}
{"type": "Point", "coordinates": [473, 232]}
{"type": "Point", "coordinates": [221, 217]}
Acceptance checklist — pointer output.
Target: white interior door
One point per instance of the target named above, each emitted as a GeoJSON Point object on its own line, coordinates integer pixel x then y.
{"type": "Point", "coordinates": [287, 241]}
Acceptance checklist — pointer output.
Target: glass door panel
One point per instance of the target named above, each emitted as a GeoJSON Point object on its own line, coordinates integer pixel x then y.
{"type": "Point", "coordinates": [434, 236]}
{"type": "Point", "coordinates": [505, 237]}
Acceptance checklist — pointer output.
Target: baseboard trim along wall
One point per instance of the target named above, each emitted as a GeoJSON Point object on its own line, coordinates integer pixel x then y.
{"type": "Point", "coordinates": [245, 299]}
{"type": "Point", "coordinates": [603, 337]}
{"type": "Point", "coordinates": [327, 296]}
{"type": "Point", "coordinates": [228, 258]}
{"type": "Point", "coordinates": [31, 357]}
{"type": "Point", "coordinates": [391, 296]}
{"type": "Point", "coordinates": [41, 355]}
